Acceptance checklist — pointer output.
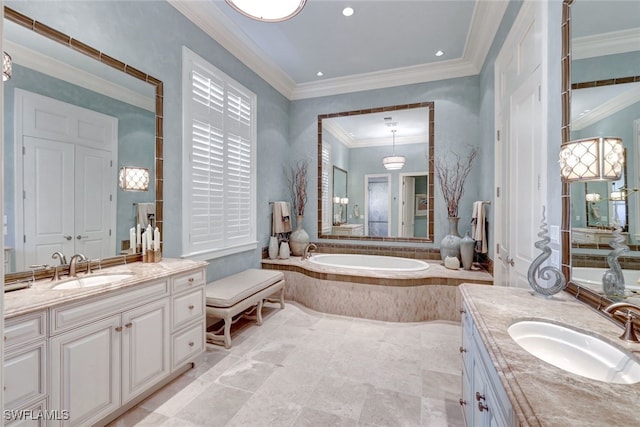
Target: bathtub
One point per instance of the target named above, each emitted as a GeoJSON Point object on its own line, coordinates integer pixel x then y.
{"type": "Point", "coordinates": [592, 278]}
{"type": "Point", "coordinates": [369, 262]}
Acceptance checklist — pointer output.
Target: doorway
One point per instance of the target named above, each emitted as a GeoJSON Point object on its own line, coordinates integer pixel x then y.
{"type": "Point", "coordinates": [377, 205]}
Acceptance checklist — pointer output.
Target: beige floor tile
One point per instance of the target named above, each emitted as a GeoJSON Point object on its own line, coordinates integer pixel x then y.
{"type": "Point", "coordinates": [265, 411]}
{"type": "Point", "coordinates": [139, 416]}
{"type": "Point", "coordinates": [246, 374]}
{"type": "Point", "coordinates": [391, 408]}
{"type": "Point", "coordinates": [174, 396]}
{"type": "Point", "coordinates": [291, 384]}
{"type": "Point", "coordinates": [441, 385]}
{"type": "Point", "coordinates": [310, 417]}
{"type": "Point", "coordinates": [441, 413]}
{"type": "Point", "coordinates": [215, 406]}
{"type": "Point", "coordinates": [339, 396]}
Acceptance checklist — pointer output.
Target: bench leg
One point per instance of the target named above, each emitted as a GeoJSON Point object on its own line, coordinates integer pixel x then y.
{"type": "Point", "coordinates": [282, 298]}
{"type": "Point", "coordinates": [259, 313]}
{"type": "Point", "coordinates": [227, 332]}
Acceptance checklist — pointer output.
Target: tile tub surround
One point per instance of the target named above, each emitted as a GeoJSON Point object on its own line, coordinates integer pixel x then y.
{"type": "Point", "coordinates": [42, 295]}
{"type": "Point", "coordinates": [397, 297]}
{"type": "Point", "coordinates": [541, 394]}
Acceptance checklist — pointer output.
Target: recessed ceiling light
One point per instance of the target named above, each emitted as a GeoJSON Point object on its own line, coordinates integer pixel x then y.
{"type": "Point", "coordinates": [347, 11]}
{"type": "Point", "coordinates": [319, 74]}
{"type": "Point", "coordinates": [439, 53]}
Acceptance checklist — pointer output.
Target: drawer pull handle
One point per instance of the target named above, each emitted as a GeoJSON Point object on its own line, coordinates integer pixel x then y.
{"type": "Point", "coordinates": [463, 350]}
{"type": "Point", "coordinates": [118, 328]}
{"type": "Point", "coordinates": [482, 407]}
{"type": "Point", "coordinates": [190, 279]}
{"type": "Point", "coordinates": [462, 310]}
{"type": "Point", "coordinates": [462, 402]}
{"type": "Point", "coordinates": [128, 325]}
{"type": "Point", "coordinates": [191, 343]}
{"type": "Point", "coordinates": [191, 307]}
{"type": "Point", "coordinates": [479, 396]}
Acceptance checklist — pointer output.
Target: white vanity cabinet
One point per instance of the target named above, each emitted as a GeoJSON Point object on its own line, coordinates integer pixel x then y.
{"type": "Point", "coordinates": [25, 366]}
{"type": "Point", "coordinates": [484, 400]}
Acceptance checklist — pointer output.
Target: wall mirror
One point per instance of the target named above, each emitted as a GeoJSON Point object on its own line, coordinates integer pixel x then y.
{"type": "Point", "coordinates": [604, 81]}
{"type": "Point", "coordinates": [50, 66]}
{"type": "Point", "coordinates": [379, 203]}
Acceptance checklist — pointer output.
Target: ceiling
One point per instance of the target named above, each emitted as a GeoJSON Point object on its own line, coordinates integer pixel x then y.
{"type": "Point", "coordinates": [385, 43]}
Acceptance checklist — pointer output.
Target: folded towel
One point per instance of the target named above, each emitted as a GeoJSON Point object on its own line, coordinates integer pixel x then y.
{"type": "Point", "coordinates": [143, 212]}
{"type": "Point", "coordinates": [281, 218]}
{"type": "Point", "coordinates": [479, 227]}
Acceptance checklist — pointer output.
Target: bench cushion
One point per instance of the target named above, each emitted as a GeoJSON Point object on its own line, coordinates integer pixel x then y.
{"type": "Point", "coordinates": [230, 290]}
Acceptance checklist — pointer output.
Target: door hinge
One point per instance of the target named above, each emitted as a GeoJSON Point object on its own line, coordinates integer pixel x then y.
{"type": "Point", "coordinates": [497, 248]}
{"type": "Point", "coordinates": [109, 232]}
{"type": "Point", "coordinates": [539, 93]}
{"type": "Point", "coordinates": [24, 195]}
{"type": "Point", "coordinates": [110, 163]}
{"type": "Point", "coordinates": [497, 191]}
{"type": "Point", "coordinates": [111, 197]}
{"type": "Point", "coordinates": [539, 182]}
{"type": "Point", "coordinates": [24, 238]}
{"type": "Point", "coordinates": [24, 151]}
{"type": "Point", "coordinates": [498, 134]}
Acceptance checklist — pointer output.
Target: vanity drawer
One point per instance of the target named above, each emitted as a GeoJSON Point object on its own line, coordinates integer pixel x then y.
{"type": "Point", "coordinates": [187, 344]}
{"type": "Point", "coordinates": [72, 315]}
{"type": "Point", "coordinates": [24, 329]}
{"type": "Point", "coordinates": [35, 409]}
{"type": "Point", "coordinates": [24, 375]}
{"type": "Point", "coordinates": [187, 280]}
{"type": "Point", "coordinates": [188, 307]}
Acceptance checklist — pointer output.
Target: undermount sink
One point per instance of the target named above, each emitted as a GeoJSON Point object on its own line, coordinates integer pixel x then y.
{"type": "Point", "coordinates": [575, 352]}
{"type": "Point", "coordinates": [93, 280]}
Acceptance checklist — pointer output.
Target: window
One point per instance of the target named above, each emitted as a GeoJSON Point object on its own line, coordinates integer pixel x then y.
{"type": "Point", "coordinates": [219, 134]}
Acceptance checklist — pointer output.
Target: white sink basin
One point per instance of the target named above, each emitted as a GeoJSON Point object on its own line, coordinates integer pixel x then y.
{"type": "Point", "coordinates": [93, 280]}
{"type": "Point", "coordinates": [575, 352]}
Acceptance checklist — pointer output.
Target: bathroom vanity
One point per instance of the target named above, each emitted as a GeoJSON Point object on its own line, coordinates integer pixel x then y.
{"type": "Point", "coordinates": [505, 385]}
{"type": "Point", "coordinates": [86, 355]}
{"type": "Point", "coordinates": [348, 230]}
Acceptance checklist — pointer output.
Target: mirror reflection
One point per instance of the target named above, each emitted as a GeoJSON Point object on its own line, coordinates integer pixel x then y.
{"type": "Point", "coordinates": [378, 163]}
{"type": "Point", "coordinates": [71, 123]}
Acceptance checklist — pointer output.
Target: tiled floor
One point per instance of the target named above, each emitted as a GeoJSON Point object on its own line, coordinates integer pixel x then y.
{"type": "Point", "coordinates": [303, 368]}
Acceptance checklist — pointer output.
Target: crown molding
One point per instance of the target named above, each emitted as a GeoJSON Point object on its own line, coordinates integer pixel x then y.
{"type": "Point", "coordinates": [607, 109]}
{"type": "Point", "coordinates": [485, 21]}
{"type": "Point", "coordinates": [47, 65]}
{"type": "Point", "coordinates": [605, 44]}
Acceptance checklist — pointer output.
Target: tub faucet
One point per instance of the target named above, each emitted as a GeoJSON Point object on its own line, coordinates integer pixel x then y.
{"type": "Point", "coordinates": [629, 333]}
{"type": "Point", "coordinates": [73, 263]}
{"type": "Point", "coordinates": [310, 247]}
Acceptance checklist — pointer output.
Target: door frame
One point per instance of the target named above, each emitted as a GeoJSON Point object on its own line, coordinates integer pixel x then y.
{"type": "Point", "coordinates": [367, 177]}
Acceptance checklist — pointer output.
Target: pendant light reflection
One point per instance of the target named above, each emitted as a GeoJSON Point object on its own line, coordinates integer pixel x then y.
{"type": "Point", "coordinates": [394, 162]}
{"type": "Point", "coordinates": [268, 10]}
{"type": "Point", "coordinates": [6, 66]}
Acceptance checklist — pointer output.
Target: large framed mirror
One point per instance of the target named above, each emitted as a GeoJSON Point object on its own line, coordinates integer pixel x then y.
{"type": "Point", "coordinates": [79, 87]}
{"type": "Point", "coordinates": [392, 202]}
{"type": "Point", "coordinates": [601, 97]}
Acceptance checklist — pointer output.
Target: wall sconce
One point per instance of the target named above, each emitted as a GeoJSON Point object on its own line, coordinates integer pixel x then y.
{"type": "Point", "coordinates": [592, 159]}
{"type": "Point", "coordinates": [336, 200]}
{"type": "Point", "coordinates": [7, 66]}
{"type": "Point", "coordinates": [618, 195]}
{"type": "Point", "coordinates": [344, 201]}
{"type": "Point", "coordinates": [268, 11]}
{"type": "Point", "coordinates": [134, 178]}
{"type": "Point", "coordinates": [592, 197]}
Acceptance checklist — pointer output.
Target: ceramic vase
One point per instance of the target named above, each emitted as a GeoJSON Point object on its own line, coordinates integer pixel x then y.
{"type": "Point", "coordinates": [299, 238]}
{"type": "Point", "coordinates": [273, 247]}
{"type": "Point", "coordinates": [450, 244]}
{"type": "Point", "coordinates": [284, 251]}
{"type": "Point", "coordinates": [466, 251]}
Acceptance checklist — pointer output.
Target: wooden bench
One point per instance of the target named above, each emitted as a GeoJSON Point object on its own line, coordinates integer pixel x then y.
{"type": "Point", "coordinates": [239, 295]}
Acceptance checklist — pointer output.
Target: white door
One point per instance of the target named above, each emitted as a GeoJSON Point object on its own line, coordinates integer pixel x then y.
{"type": "Point", "coordinates": [48, 199]}
{"type": "Point", "coordinates": [93, 213]}
{"type": "Point", "coordinates": [408, 206]}
{"type": "Point", "coordinates": [145, 347]}
{"type": "Point", "coordinates": [520, 146]}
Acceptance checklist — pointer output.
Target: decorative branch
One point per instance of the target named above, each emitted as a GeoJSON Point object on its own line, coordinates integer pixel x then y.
{"type": "Point", "coordinates": [452, 178]}
{"type": "Point", "coordinates": [297, 179]}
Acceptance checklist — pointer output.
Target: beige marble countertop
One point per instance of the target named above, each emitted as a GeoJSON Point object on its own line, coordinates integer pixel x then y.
{"type": "Point", "coordinates": [541, 394]}
{"type": "Point", "coordinates": [435, 270]}
{"type": "Point", "coordinates": [41, 294]}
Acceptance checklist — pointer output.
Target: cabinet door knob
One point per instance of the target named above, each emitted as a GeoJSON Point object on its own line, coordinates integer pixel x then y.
{"type": "Point", "coordinates": [462, 402]}
{"type": "Point", "coordinates": [191, 343]}
{"type": "Point", "coordinates": [479, 396]}
{"type": "Point", "coordinates": [190, 279]}
{"type": "Point", "coordinates": [462, 310]}
{"type": "Point", "coordinates": [128, 325]}
{"type": "Point", "coordinates": [482, 407]}
{"type": "Point", "coordinates": [118, 328]}
{"type": "Point", "coordinates": [462, 349]}
{"type": "Point", "coordinates": [191, 307]}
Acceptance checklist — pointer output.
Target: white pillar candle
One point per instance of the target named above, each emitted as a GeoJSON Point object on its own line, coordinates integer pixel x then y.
{"type": "Point", "coordinates": [132, 239]}
{"type": "Point", "coordinates": [138, 236]}
{"type": "Point", "coordinates": [156, 239]}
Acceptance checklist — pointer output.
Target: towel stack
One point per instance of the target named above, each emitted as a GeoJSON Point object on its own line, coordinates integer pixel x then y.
{"type": "Point", "coordinates": [479, 227]}
{"type": "Point", "coordinates": [281, 218]}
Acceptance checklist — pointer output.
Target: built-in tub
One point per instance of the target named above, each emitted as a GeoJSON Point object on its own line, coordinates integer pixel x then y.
{"type": "Point", "coordinates": [369, 262]}
{"type": "Point", "coordinates": [366, 286]}
{"type": "Point", "coordinates": [591, 278]}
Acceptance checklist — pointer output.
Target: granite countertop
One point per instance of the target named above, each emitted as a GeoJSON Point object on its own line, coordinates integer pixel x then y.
{"type": "Point", "coordinates": [41, 294]}
{"type": "Point", "coordinates": [435, 270]}
{"type": "Point", "coordinates": [541, 394]}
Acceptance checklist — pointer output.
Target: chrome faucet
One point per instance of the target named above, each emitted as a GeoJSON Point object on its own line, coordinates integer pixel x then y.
{"type": "Point", "coordinates": [310, 247]}
{"type": "Point", "coordinates": [629, 333]}
{"type": "Point", "coordinates": [60, 256]}
{"type": "Point", "coordinates": [73, 263]}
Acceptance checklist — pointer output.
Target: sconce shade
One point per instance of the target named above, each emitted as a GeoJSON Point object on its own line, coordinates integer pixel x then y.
{"type": "Point", "coordinates": [593, 197]}
{"type": "Point", "coordinates": [7, 66]}
{"type": "Point", "coordinates": [134, 178]}
{"type": "Point", "coordinates": [618, 195]}
{"type": "Point", "coordinates": [592, 159]}
{"type": "Point", "coordinates": [268, 10]}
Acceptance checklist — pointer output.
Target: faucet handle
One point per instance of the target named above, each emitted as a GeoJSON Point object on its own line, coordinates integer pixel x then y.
{"type": "Point", "coordinates": [629, 333]}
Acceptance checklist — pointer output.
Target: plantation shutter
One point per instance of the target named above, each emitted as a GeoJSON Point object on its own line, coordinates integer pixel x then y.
{"type": "Point", "coordinates": [221, 142]}
{"type": "Point", "coordinates": [327, 207]}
